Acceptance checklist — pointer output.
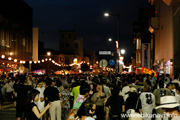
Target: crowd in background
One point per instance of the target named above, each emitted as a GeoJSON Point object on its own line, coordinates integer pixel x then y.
{"type": "Point", "coordinates": [87, 97]}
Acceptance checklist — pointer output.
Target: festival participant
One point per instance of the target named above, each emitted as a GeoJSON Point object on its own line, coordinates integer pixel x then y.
{"type": "Point", "coordinates": [148, 102]}
{"type": "Point", "coordinates": [51, 94]}
{"type": "Point", "coordinates": [65, 95]}
{"type": "Point", "coordinates": [170, 106]}
{"type": "Point", "coordinates": [32, 111]}
{"type": "Point", "coordinates": [40, 87]}
{"type": "Point", "coordinates": [21, 90]}
{"type": "Point", "coordinates": [160, 92]}
{"type": "Point", "coordinates": [99, 99]}
{"type": "Point", "coordinates": [115, 105]}
{"type": "Point", "coordinates": [86, 111]}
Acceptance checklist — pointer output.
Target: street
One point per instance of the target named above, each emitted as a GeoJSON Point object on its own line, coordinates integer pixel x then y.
{"type": "Point", "coordinates": [7, 112]}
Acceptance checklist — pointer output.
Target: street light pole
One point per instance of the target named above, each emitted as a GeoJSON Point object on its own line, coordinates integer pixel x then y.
{"type": "Point", "coordinates": [118, 66]}
{"type": "Point", "coordinates": [48, 54]}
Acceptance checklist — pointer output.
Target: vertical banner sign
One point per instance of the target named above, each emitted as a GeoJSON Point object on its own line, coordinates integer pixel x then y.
{"type": "Point", "coordinates": [146, 48]}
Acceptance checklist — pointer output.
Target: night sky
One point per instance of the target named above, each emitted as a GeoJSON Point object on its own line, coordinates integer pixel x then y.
{"type": "Point", "coordinates": [87, 18]}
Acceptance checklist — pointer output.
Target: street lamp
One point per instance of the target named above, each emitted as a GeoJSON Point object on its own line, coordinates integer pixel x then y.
{"type": "Point", "coordinates": [123, 51]}
{"type": "Point", "coordinates": [110, 39]}
{"type": "Point", "coordinates": [48, 54]}
{"type": "Point", "coordinates": [118, 40]}
{"type": "Point", "coordinates": [106, 14]}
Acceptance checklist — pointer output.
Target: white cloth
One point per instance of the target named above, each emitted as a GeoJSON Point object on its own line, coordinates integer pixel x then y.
{"type": "Point", "coordinates": [41, 95]}
{"type": "Point", "coordinates": [9, 87]}
{"type": "Point", "coordinates": [125, 92]}
{"type": "Point", "coordinates": [176, 118]}
{"type": "Point", "coordinates": [107, 91]}
{"type": "Point", "coordinates": [148, 104]}
{"type": "Point", "coordinates": [80, 98]}
{"type": "Point", "coordinates": [176, 81]}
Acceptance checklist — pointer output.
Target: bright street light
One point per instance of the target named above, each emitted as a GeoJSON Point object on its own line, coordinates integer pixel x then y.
{"type": "Point", "coordinates": [123, 51]}
{"type": "Point", "coordinates": [106, 14]}
{"type": "Point", "coordinates": [48, 53]}
{"type": "Point", "coordinates": [110, 39]}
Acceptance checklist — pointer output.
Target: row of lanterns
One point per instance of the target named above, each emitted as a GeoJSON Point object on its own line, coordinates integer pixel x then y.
{"type": "Point", "coordinates": [30, 62]}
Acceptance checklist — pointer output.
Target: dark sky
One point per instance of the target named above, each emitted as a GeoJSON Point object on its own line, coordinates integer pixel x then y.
{"type": "Point", "coordinates": [86, 16]}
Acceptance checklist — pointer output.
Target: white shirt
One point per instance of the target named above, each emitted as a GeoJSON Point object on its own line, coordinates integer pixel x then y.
{"type": "Point", "coordinates": [107, 91]}
{"type": "Point", "coordinates": [9, 87]}
{"type": "Point", "coordinates": [125, 93]}
{"type": "Point", "coordinates": [40, 104]}
{"type": "Point", "coordinates": [147, 101]}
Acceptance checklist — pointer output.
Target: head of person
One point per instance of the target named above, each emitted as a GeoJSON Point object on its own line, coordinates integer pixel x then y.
{"type": "Point", "coordinates": [58, 83]}
{"type": "Point", "coordinates": [147, 88]}
{"type": "Point", "coordinates": [87, 108]}
{"type": "Point", "coordinates": [176, 76]}
{"type": "Point", "coordinates": [161, 84]}
{"type": "Point", "coordinates": [169, 105]}
{"type": "Point", "coordinates": [66, 86]}
{"type": "Point", "coordinates": [178, 90]}
{"type": "Point", "coordinates": [169, 86]}
{"type": "Point", "coordinates": [104, 82]}
{"type": "Point", "coordinates": [84, 90]}
{"type": "Point", "coordinates": [48, 82]}
{"type": "Point", "coordinates": [32, 96]}
{"type": "Point", "coordinates": [175, 85]}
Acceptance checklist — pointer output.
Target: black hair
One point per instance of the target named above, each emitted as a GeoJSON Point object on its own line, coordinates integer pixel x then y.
{"type": "Point", "coordinates": [48, 81]}
{"type": "Point", "coordinates": [176, 85]}
{"type": "Point", "coordinates": [31, 95]}
{"type": "Point", "coordinates": [85, 108]}
{"type": "Point", "coordinates": [161, 84]}
{"type": "Point", "coordinates": [168, 85]}
{"type": "Point", "coordinates": [176, 76]}
{"type": "Point", "coordinates": [84, 89]}
{"type": "Point", "coordinates": [58, 83]}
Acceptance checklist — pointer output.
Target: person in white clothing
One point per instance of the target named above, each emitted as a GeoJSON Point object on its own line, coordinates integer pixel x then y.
{"type": "Point", "coordinates": [41, 101]}
{"type": "Point", "coordinates": [148, 102]}
{"type": "Point", "coordinates": [125, 91]}
{"type": "Point", "coordinates": [9, 90]}
{"type": "Point", "coordinates": [169, 105]}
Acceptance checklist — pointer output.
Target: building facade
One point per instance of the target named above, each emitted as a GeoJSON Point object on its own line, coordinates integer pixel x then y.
{"type": "Point", "coordinates": [143, 49]}
{"type": "Point", "coordinates": [166, 27]}
{"type": "Point", "coordinates": [16, 29]}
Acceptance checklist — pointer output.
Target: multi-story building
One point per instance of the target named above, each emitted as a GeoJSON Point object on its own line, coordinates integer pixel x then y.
{"type": "Point", "coordinates": [16, 30]}
{"type": "Point", "coordinates": [166, 26]}
{"type": "Point", "coordinates": [143, 49]}
{"type": "Point", "coordinates": [71, 46]}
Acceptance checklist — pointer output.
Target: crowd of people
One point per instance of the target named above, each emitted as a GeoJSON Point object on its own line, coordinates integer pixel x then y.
{"type": "Point", "coordinates": [93, 97]}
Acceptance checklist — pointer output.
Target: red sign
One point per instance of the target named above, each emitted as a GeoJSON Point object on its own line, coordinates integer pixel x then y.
{"type": "Point", "coordinates": [149, 71]}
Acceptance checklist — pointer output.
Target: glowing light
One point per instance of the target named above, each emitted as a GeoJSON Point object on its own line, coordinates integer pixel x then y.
{"type": "Point", "coordinates": [50, 59]}
{"type": "Point", "coordinates": [24, 62]}
{"type": "Point", "coordinates": [2, 56]}
{"type": "Point", "coordinates": [48, 53]}
{"type": "Point", "coordinates": [46, 59]}
{"type": "Point", "coordinates": [35, 62]}
{"type": "Point", "coordinates": [15, 60]}
{"type": "Point", "coordinates": [106, 14]}
{"type": "Point", "coordinates": [21, 61]}
{"type": "Point", "coordinates": [38, 61]}
{"type": "Point", "coordinates": [42, 60]}
{"type": "Point", "coordinates": [10, 53]}
{"type": "Point", "coordinates": [9, 58]}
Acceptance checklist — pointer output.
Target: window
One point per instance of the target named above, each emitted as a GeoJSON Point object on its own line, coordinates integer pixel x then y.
{"type": "Point", "coordinates": [138, 44]}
